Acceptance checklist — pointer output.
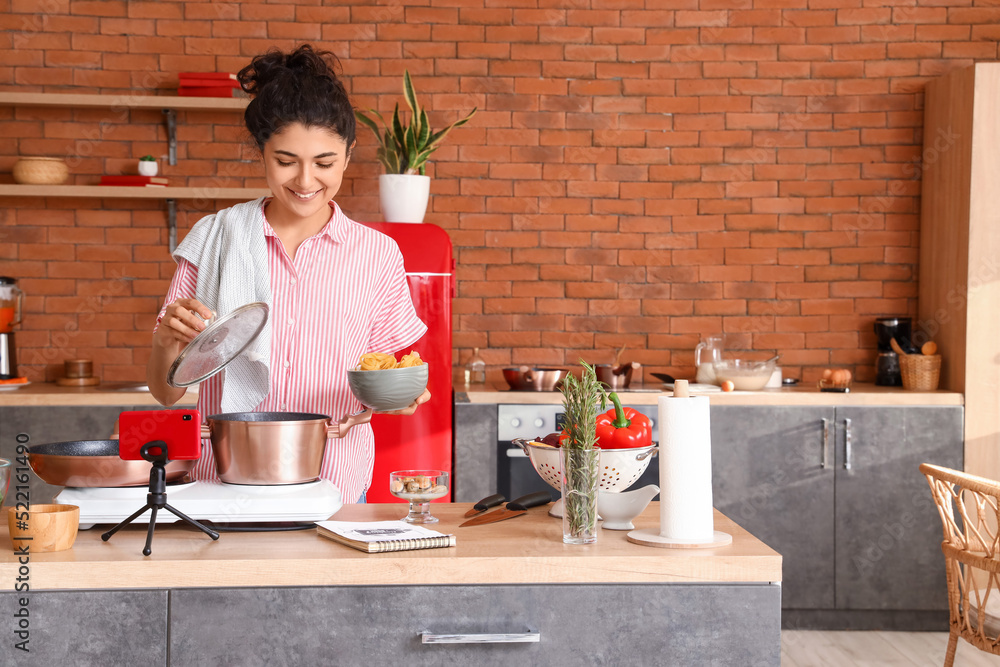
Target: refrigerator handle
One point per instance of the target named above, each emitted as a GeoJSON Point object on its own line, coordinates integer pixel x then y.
{"type": "Point", "coordinates": [454, 280]}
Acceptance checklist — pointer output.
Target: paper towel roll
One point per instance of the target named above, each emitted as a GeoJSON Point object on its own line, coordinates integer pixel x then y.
{"type": "Point", "coordinates": [685, 469]}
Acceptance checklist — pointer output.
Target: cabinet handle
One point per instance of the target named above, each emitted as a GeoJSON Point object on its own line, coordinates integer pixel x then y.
{"type": "Point", "coordinates": [484, 638]}
{"type": "Point", "coordinates": [826, 441]}
{"type": "Point", "coordinates": [847, 444]}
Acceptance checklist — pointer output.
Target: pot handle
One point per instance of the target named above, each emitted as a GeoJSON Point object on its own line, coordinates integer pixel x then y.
{"type": "Point", "coordinates": [206, 431]}
{"type": "Point", "coordinates": [340, 429]}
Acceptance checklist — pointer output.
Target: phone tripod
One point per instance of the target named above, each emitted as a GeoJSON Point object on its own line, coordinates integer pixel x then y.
{"type": "Point", "coordinates": [156, 499]}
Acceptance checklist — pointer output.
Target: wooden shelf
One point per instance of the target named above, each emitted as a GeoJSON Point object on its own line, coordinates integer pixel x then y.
{"type": "Point", "coordinates": [126, 192]}
{"type": "Point", "coordinates": [78, 100]}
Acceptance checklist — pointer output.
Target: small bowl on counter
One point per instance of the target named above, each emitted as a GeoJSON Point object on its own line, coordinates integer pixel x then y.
{"type": "Point", "coordinates": [43, 528]}
{"type": "Point", "coordinates": [746, 375]}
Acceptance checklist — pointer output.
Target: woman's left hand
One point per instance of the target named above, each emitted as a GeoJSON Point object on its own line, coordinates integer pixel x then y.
{"type": "Point", "coordinates": [412, 407]}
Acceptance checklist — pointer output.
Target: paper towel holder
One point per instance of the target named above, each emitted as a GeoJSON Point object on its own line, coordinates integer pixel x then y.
{"type": "Point", "coordinates": [653, 538]}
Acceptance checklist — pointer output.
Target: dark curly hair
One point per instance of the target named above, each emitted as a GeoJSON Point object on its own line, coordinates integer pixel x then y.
{"type": "Point", "coordinates": [296, 87]}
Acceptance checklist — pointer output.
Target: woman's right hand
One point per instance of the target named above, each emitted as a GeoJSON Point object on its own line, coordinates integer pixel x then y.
{"type": "Point", "coordinates": [180, 322]}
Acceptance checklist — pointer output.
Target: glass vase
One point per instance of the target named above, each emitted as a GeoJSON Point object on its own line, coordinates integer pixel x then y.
{"type": "Point", "coordinates": [580, 478]}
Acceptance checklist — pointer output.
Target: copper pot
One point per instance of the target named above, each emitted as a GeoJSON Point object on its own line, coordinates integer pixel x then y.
{"type": "Point", "coordinates": [94, 463]}
{"type": "Point", "coordinates": [269, 448]}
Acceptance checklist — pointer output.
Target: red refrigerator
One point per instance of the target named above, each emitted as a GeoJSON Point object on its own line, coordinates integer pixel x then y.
{"type": "Point", "coordinates": [422, 440]}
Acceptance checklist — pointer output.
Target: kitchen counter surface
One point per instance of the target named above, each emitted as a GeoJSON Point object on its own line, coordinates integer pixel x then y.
{"type": "Point", "coordinates": [110, 393]}
{"type": "Point", "coordinates": [523, 550]}
{"type": "Point", "coordinates": [860, 395]}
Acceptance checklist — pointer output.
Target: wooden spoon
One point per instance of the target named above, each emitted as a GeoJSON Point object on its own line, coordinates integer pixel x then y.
{"type": "Point", "coordinates": [896, 348]}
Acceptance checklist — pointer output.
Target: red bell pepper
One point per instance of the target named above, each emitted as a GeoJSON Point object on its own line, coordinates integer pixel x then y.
{"type": "Point", "coordinates": [623, 428]}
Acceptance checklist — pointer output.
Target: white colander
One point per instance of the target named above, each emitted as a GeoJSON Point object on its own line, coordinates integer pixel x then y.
{"type": "Point", "coordinates": [620, 468]}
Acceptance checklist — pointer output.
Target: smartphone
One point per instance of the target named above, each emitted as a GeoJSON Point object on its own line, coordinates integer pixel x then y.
{"type": "Point", "coordinates": [179, 429]}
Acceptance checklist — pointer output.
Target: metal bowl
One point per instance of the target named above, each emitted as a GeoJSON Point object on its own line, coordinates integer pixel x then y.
{"type": "Point", "coordinates": [616, 377]}
{"type": "Point", "coordinates": [94, 463]}
{"type": "Point", "coordinates": [534, 379]}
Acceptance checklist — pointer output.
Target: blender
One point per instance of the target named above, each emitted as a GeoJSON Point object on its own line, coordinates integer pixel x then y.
{"type": "Point", "coordinates": [10, 315]}
{"type": "Point", "coordinates": [887, 373]}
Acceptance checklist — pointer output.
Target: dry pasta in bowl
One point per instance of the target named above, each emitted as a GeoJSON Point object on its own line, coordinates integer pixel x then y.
{"type": "Point", "coordinates": [380, 361]}
{"type": "Point", "coordinates": [381, 383]}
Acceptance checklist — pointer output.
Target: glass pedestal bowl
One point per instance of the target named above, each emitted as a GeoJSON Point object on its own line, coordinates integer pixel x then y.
{"type": "Point", "coordinates": [419, 487]}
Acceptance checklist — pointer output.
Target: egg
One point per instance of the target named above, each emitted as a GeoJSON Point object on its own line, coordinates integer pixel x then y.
{"type": "Point", "coordinates": [930, 347]}
{"type": "Point", "coordinates": [840, 377]}
{"type": "Point", "coordinates": [728, 385]}
{"type": "Point", "coordinates": [827, 373]}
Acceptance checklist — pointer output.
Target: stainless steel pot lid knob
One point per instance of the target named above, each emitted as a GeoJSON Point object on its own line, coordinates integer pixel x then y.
{"type": "Point", "coordinates": [218, 345]}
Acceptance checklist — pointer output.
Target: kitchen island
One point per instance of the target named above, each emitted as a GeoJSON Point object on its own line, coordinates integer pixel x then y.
{"type": "Point", "coordinates": [298, 598]}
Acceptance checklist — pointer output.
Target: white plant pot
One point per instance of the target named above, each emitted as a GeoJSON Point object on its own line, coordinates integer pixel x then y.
{"type": "Point", "coordinates": [404, 196]}
{"type": "Point", "coordinates": [147, 168]}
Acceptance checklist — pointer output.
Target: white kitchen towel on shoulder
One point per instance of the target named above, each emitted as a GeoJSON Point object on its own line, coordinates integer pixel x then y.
{"type": "Point", "coordinates": [685, 469]}
{"type": "Point", "coordinates": [229, 250]}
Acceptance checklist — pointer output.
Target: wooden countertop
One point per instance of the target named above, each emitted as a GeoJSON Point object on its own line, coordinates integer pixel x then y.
{"type": "Point", "coordinates": [860, 395]}
{"type": "Point", "coordinates": [110, 393]}
{"type": "Point", "coordinates": [523, 550]}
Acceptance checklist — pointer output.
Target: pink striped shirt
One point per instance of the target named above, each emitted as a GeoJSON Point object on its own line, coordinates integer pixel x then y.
{"type": "Point", "coordinates": [344, 294]}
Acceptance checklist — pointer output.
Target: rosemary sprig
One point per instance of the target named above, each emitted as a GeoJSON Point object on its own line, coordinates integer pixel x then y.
{"type": "Point", "coordinates": [580, 459]}
{"type": "Point", "coordinates": [580, 403]}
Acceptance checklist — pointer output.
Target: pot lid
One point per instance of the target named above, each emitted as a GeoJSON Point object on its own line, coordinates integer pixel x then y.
{"type": "Point", "coordinates": [218, 345]}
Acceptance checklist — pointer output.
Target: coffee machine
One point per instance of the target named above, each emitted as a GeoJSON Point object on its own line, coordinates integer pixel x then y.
{"type": "Point", "coordinates": [10, 315]}
{"type": "Point", "coordinates": [887, 373]}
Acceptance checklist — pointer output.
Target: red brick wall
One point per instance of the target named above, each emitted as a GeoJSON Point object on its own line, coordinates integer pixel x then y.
{"type": "Point", "coordinates": [639, 173]}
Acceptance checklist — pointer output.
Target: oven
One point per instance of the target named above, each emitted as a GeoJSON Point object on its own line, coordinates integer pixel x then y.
{"type": "Point", "coordinates": [515, 474]}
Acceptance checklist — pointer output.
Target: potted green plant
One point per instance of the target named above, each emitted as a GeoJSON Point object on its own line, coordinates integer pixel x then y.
{"type": "Point", "coordinates": [403, 151]}
{"type": "Point", "coordinates": [147, 165]}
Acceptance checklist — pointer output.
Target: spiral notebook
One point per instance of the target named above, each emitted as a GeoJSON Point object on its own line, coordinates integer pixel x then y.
{"type": "Point", "coordinates": [381, 536]}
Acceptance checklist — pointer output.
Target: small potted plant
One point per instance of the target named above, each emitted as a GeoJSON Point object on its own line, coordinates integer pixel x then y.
{"type": "Point", "coordinates": [147, 165]}
{"type": "Point", "coordinates": [403, 151]}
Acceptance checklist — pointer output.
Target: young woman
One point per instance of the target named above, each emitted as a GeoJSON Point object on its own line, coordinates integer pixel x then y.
{"type": "Point", "coordinates": [336, 289]}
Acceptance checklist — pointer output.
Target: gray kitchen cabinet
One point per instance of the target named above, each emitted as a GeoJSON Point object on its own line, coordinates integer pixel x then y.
{"type": "Point", "coordinates": [572, 624]}
{"type": "Point", "coordinates": [888, 531]}
{"type": "Point", "coordinates": [860, 537]}
{"type": "Point", "coordinates": [768, 476]}
{"type": "Point", "coordinates": [84, 628]}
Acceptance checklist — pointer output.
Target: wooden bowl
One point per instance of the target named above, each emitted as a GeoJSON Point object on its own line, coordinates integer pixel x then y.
{"type": "Point", "coordinates": [40, 171]}
{"type": "Point", "coordinates": [43, 528]}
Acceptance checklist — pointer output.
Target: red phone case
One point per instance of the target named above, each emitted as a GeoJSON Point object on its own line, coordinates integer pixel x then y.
{"type": "Point", "coordinates": [180, 429]}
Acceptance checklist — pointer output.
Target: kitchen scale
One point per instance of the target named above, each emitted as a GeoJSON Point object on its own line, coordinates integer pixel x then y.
{"type": "Point", "coordinates": [219, 503]}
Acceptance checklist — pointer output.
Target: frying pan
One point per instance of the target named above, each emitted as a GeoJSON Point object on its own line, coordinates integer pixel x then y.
{"type": "Point", "coordinates": [94, 463]}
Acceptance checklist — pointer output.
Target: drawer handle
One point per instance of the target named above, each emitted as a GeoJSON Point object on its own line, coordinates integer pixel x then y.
{"type": "Point", "coordinates": [847, 444]}
{"type": "Point", "coordinates": [484, 638]}
{"type": "Point", "coordinates": [826, 441]}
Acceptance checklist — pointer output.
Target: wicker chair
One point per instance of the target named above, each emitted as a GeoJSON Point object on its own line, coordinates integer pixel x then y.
{"type": "Point", "coordinates": [969, 507]}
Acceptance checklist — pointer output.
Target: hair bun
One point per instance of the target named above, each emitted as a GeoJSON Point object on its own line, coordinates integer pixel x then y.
{"type": "Point", "coordinates": [294, 67]}
{"type": "Point", "coordinates": [296, 87]}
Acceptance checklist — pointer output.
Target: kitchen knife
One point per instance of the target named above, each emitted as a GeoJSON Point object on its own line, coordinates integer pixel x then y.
{"type": "Point", "coordinates": [485, 504]}
{"type": "Point", "coordinates": [516, 507]}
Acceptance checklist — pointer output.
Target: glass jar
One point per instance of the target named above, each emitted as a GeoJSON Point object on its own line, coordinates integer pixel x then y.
{"type": "Point", "coordinates": [475, 369]}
